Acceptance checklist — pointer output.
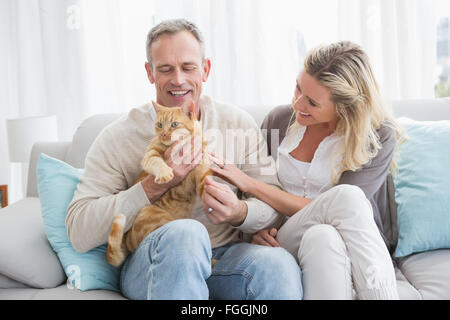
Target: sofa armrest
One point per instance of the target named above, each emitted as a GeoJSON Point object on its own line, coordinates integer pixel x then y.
{"type": "Point", "coordinates": [56, 150]}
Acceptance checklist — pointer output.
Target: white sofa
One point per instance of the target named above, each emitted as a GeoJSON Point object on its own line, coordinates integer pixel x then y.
{"type": "Point", "coordinates": [29, 269]}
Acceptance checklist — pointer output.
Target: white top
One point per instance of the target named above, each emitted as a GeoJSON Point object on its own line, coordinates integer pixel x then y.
{"type": "Point", "coordinates": [308, 180]}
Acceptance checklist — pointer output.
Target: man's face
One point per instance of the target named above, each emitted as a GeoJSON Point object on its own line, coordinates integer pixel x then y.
{"type": "Point", "coordinates": [177, 69]}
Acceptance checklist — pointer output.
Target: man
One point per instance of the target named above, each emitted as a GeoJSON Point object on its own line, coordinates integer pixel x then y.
{"type": "Point", "coordinates": [174, 261]}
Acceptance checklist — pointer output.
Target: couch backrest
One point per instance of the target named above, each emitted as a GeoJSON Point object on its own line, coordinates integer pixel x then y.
{"type": "Point", "coordinates": [85, 136]}
{"type": "Point", "coordinates": [426, 109]}
{"type": "Point", "coordinates": [423, 110]}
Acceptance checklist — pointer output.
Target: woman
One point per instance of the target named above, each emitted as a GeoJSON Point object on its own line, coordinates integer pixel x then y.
{"type": "Point", "coordinates": [332, 164]}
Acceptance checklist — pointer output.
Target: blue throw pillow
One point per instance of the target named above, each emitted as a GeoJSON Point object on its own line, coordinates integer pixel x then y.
{"type": "Point", "coordinates": [57, 182]}
{"type": "Point", "coordinates": [422, 187]}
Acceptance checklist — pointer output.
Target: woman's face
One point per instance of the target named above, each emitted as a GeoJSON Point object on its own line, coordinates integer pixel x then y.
{"type": "Point", "coordinates": [313, 104]}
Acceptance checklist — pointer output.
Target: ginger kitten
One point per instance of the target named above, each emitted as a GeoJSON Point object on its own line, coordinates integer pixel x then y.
{"type": "Point", "coordinates": [178, 202]}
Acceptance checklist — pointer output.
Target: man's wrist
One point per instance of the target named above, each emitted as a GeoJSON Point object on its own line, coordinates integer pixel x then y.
{"type": "Point", "coordinates": [243, 209]}
{"type": "Point", "coordinates": [153, 190]}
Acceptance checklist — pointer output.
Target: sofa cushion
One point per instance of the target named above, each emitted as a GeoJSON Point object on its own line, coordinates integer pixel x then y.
{"type": "Point", "coordinates": [429, 273]}
{"type": "Point", "coordinates": [26, 255]}
{"type": "Point", "coordinates": [57, 182]}
{"type": "Point", "coordinates": [7, 283]}
{"type": "Point", "coordinates": [422, 187]}
{"type": "Point", "coordinates": [405, 290]}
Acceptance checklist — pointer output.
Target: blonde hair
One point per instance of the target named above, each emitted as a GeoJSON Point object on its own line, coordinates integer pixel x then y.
{"type": "Point", "coordinates": [345, 70]}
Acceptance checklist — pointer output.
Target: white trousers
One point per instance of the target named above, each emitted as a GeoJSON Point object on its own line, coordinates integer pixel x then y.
{"type": "Point", "coordinates": [339, 248]}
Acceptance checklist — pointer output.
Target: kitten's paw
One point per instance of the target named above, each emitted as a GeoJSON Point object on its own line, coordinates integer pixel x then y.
{"type": "Point", "coordinates": [164, 175]}
{"type": "Point", "coordinates": [147, 168]}
{"type": "Point", "coordinates": [147, 163]}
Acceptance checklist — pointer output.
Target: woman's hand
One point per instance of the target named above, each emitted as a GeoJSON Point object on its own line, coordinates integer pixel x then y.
{"type": "Point", "coordinates": [266, 237]}
{"type": "Point", "coordinates": [230, 173]}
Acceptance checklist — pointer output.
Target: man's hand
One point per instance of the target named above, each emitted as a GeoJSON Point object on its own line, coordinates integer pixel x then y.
{"type": "Point", "coordinates": [225, 205]}
{"type": "Point", "coordinates": [266, 237]}
{"type": "Point", "coordinates": [182, 157]}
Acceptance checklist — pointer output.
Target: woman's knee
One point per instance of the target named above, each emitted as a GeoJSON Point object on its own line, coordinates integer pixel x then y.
{"type": "Point", "coordinates": [321, 239]}
{"type": "Point", "coordinates": [349, 199]}
{"type": "Point", "coordinates": [348, 192]}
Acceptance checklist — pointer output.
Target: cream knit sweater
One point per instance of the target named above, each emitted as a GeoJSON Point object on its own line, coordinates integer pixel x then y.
{"type": "Point", "coordinates": [113, 164]}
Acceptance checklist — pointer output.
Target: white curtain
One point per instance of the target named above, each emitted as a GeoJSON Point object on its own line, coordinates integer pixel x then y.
{"type": "Point", "coordinates": [75, 58]}
{"type": "Point", "coordinates": [400, 37]}
{"type": "Point", "coordinates": [252, 44]}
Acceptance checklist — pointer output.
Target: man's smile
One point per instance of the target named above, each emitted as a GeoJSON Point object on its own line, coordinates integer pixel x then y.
{"type": "Point", "coordinates": [179, 93]}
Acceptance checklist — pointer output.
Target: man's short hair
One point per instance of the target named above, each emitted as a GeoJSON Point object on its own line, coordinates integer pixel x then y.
{"type": "Point", "coordinates": [171, 27]}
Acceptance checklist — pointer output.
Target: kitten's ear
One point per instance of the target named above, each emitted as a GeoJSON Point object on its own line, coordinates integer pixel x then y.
{"type": "Point", "coordinates": [191, 111]}
{"type": "Point", "coordinates": [157, 106]}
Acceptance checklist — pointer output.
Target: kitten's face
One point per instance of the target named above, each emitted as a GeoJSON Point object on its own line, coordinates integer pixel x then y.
{"type": "Point", "coordinates": [172, 124]}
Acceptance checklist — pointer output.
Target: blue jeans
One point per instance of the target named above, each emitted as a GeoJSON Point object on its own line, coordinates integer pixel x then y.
{"type": "Point", "coordinates": [174, 262]}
